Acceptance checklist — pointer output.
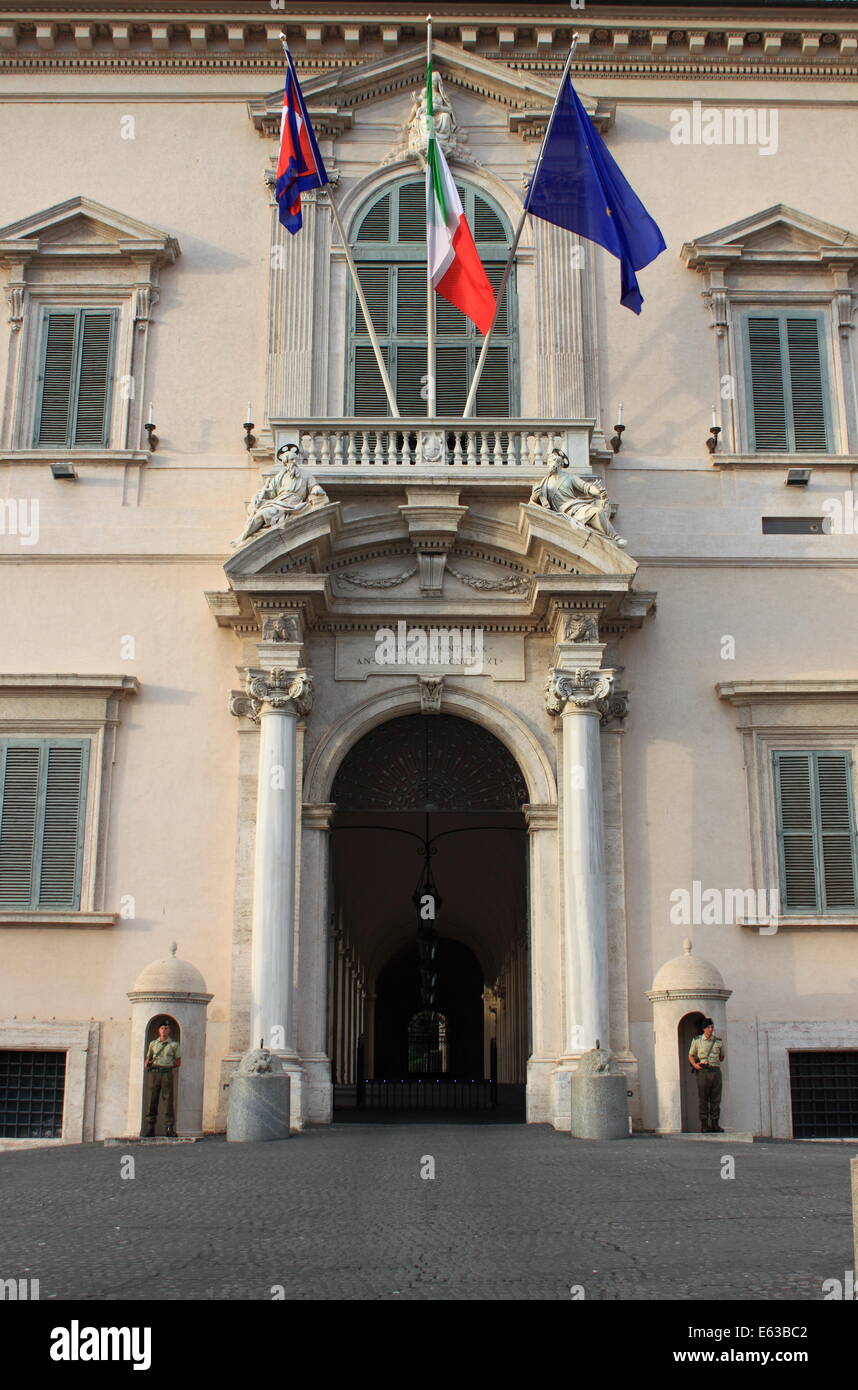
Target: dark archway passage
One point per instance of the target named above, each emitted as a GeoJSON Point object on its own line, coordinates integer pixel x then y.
{"type": "Point", "coordinates": [429, 802]}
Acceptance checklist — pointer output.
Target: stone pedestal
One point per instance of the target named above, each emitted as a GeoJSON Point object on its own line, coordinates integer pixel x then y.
{"type": "Point", "coordinates": [258, 1107]}
{"type": "Point", "coordinates": [598, 1106]}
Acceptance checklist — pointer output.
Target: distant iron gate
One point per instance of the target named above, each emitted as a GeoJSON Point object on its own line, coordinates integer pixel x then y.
{"type": "Point", "coordinates": [426, 1094]}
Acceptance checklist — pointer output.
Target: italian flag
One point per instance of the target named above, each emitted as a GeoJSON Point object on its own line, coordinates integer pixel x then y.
{"type": "Point", "coordinates": [455, 270]}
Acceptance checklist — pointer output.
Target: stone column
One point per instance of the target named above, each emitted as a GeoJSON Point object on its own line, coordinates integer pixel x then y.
{"type": "Point", "coordinates": [313, 952]}
{"type": "Point", "coordinates": [275, 699]}
{"type": "Point", "coordinates": [545, 959]}
{"type": "Point", "coordinates": [580, 698]}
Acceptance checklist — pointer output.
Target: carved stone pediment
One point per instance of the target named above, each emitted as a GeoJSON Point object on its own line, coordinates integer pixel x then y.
{"type": "Point", "coordinates": [332, 97]}
{"type": "Point", "coordinates": [88, 229]}
{"type": "Point", "coordinates": [775, 238]}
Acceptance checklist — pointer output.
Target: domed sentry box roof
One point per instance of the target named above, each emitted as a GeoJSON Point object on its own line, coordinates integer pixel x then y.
{"type": "Point", "coordinates": [170, 978]}
{"type": "Point", "coordinates": [688, 977]}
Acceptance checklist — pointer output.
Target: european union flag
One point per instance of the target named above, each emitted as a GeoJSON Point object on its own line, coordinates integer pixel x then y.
{"type": "Point", "coordinates": [578, 186]}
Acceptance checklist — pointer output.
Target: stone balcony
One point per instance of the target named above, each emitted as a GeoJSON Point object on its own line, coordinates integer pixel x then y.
{"type": "Point", "coordinates": [340, 450]}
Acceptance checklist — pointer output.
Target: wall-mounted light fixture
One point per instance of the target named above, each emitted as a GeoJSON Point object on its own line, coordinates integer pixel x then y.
{"type": "Point", "coordinates": [798, 477]}
{"type": "Point", "coordinates": [249, 436]}
{"type": "Point", "coordinates": [66, 472]}
{"type": "Point", "coordinates": [617, 437]}
{"type": "Point", "coordinates": [150, 429]}
{"type": "Point", "coordinates": [714, 431]}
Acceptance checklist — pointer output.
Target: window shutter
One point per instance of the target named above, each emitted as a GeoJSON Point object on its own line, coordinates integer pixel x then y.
{"type": "Point", "coordinates": [411, 379]}
{"type": "Point", "coordinates": [376, 223]}
{"type": "Point", "coordinates": [394, 279]}
{"type": "Point", "coordinates": [412, 211]}
{"type": "Point", "coordinates": [370, 395]}
{"type": "Point", "coordinates": [59, 884]}
{"type": "Point", "coordinates": [411, 292]}
{"type": "Point", "coordinates": [836, 830]}
{"type": "Point", "coordinates": [94, 378]}
{"type": "Point", "coordinates": [767, 385]}
{"type": "Point", "coordinates": [816, 831]}
{"type": "Point", "coordinates": [75, 380]}
{"type": "Point", "coordinates": [808, 402]}
{"type": "Point", "coordinates": [787, 384]}
{"type": "Point", "coordinates": [493, 393]}
{"type": "Point", "coordinates": [374, 281]}
{"type": "Point", "coordinates": [43, 789]}
{"type": "Point", "coordinates": [20, 805]}
{"type": "Point", "coordinates": [56, 379]}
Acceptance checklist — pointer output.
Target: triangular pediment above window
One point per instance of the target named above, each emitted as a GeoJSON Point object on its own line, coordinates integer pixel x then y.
{"type": "Point", "coordinates": [333, 97]}
{"type": "Point", "coordinates": [80, 227]}
{"type": "Point", "coordinates": [777, 237]}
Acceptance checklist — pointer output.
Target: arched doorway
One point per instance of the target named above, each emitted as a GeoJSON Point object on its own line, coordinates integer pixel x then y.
{"type": "Point", "coordinates": [429, 977]}
{"type": "Point", "coordinates": [688, 1029]}
{"type": "Point", "coordinates": [150, 1036]}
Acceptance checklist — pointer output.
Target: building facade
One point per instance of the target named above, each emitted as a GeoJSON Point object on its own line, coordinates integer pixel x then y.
{"type": "Point", "coordinates": [427, 781]}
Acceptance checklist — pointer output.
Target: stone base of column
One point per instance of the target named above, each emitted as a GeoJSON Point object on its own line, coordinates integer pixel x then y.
{"type": "Point", "coordinates": [298, 1088]}
{"type": "Point", "coordinates": [319, 1092]}
{"type": "Point", "coordinates": [538, 1095]}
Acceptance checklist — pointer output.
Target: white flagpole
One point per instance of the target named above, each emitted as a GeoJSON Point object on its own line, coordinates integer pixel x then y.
{"type": "Point", "coordinates": [472, 394]}
{"type": "Point", "coordinates": [430, 288]}
{"type": "Point", "coordinates": [367, 318]}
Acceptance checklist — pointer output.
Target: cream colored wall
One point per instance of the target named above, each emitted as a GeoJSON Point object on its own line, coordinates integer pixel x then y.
{"type": "Point", "coordinates": [195, 170]}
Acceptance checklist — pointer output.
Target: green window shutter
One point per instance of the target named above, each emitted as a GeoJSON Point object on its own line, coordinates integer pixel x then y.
{"type": "Point", "coordinates": [75, 379]}
{"type": "Point", "coordinates": [389, 248]}
{"type": "Point", "coordinates": [836, 830]}
{"type": "Point", "coordinates": [94, 377]}
{"type": "Point", "coordinates": [816, 831]}
{"type": "Point", "coordinates": [788, 390]}
{"type": "Point", "coordinates": [56, 379]}
{"type": "Point", "coordinates": [42, 805]}
{"type": "Point", "coordinates": [375, 225]}
{"type": "Point", "coordinates": [18, 823]}
{"type": "Point", "coordinates": [806, 384]}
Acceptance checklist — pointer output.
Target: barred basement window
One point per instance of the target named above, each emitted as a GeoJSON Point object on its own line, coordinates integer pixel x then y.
{"type": "Point", "coordinates": [42, 804]}
{"type": "Point", "coordinates": [75, 377]}
{"type": "Point", "coordinates": [816, 831]}
{"type": "Point", "coordinates": [788, 391]}
{"type": "Point", "coordinates": [389, 247]}
{"type": "Point", "coordinates": [32, 1090]}
{"type": "Point", "coordinates": [824, 1094]}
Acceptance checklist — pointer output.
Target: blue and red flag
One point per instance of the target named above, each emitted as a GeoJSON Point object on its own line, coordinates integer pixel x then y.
{"type": "Point", "coordinates": [300, 166]}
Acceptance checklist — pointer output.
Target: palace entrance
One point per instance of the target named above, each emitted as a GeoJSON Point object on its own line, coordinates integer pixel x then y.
{"type": "Point", "coordinates": [429, 1001]}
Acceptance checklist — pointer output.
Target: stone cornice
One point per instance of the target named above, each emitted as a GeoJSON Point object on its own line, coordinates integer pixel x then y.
{"type": "Point", "coordinates": [68, 685]}
{"type": "Point", "coordinates": [780, 692]}
{"type": "Point", "coordinates": [638, 42]}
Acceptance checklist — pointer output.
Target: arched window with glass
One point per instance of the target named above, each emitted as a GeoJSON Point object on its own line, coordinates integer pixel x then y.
{"type": "Point", "coordinates": [389, 245]}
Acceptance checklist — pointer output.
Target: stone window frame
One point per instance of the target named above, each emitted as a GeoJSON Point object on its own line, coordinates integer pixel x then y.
{"type": "Point", "coordinates": [116, 265]}
{"type": "Point", "coordinates": [784, 716]}
{"type": "Point", "coordinates": [81, 707]}
{"type": "Point", "coordinates": [813, 276]}
{"type": "Point", "coordinates": [775, 1042]}
{"type": "Point", "coordinates": [80, 1042]}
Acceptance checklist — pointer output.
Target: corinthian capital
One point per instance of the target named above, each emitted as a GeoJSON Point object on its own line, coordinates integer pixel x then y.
{"type": "Point", "coordinates": [289, 691]}
{"type": "Point", "coordinates": [586, 690]}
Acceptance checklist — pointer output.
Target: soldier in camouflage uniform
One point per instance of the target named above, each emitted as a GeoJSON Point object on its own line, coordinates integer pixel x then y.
{"type": "Point", "coordinates": [162, 1058]}
{"type": "Point", "coordinates": [706, 1056]}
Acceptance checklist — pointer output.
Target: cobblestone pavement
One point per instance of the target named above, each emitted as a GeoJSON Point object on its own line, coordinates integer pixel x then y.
{"type": "Point", "coordinates": [513, 1212]}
